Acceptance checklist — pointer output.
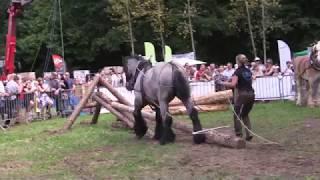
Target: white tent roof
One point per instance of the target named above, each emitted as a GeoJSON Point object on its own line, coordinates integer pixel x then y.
{"type": "Point", "coordinates": [183, 61]}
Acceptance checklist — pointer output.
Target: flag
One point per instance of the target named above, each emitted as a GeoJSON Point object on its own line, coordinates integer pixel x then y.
{"type": "Point", "coordinates": [58, 62]}
{"type": "Point", "coordinates": [284, 54]}
{"type": "Point", "coordinates": [150, 52]}
{"type": "Point", "coordinates": [167, 54]}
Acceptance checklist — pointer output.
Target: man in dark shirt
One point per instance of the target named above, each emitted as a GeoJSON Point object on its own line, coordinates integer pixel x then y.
{"type": "Point", "coordinates": [243, 95]}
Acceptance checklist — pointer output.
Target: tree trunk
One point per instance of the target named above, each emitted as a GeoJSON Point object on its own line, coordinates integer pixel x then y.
{"type": "Point", "coordinates": [263, 32]}
{"type": "Point", "coordinates": [250, 30]}
{"type": "Point", "coordinates": [130, 28]}
{"type": "Point", "coordinates": [221, 97]}
{"type": "Point", "coordinates": [191, 30]}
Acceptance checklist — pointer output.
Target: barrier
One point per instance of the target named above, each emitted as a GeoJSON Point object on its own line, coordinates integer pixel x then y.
{"type": "Point", "coordinates": [274, 87]}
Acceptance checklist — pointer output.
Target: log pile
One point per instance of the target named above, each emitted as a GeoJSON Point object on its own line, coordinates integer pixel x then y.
{"type": "Point", "coordinates": [123, 110]}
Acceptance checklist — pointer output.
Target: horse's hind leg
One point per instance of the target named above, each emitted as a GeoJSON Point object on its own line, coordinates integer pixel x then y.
{"type": "Point", "coordinates": [167, 132]}
{"type": "Point", "coordinates": [299, 91]}
{"type": "Point", "coordinates": [193, 114]}
{"type": "Point", "coordinates": [158, 128]}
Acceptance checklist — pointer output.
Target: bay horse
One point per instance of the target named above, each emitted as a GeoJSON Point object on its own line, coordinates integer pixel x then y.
{"type": "Point", "coordinates": [307, 73]}
{"type": "Point", "coordinates": [157, 86]}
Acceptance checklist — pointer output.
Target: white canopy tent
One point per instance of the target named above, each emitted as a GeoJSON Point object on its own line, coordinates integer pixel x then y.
{"type": "Point", "coordinates": [183, 61]}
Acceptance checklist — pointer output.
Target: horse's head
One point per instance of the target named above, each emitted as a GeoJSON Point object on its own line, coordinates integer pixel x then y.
{"type": "Point", "coordinates": [131, 68]}
{"type": "Point", "coordinates": [315, 53]}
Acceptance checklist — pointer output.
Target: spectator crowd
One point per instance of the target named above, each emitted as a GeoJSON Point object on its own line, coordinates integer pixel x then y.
{"type": "Point", "coordinates": [215, 73]}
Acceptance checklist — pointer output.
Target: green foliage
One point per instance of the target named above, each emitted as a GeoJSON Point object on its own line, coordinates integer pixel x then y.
{"type": "Point", "coordinates": [98, 30]}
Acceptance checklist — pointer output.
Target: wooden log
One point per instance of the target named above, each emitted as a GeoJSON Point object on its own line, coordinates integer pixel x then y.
{"type": "Point", "coordinates": [179, 110]}
{"type": "Point", "coordinates": [91, 105]}
{"type": "Point", "coordinates": [129, 113]}
{"type": "Point", "coordinates": [96, 114]}
{"type": "Point", "coordinates": [220, 97]}
{"type": "Point", "coordinates": [121, 99]}
{"type": "Point", "coordinates": [72, 118]}
{"type": "Point", "coordinates": [213, 138]}
{"type": "Point", "coordinates": [115, 112]}
{"type": "Point", "coordinates": [119, 115]}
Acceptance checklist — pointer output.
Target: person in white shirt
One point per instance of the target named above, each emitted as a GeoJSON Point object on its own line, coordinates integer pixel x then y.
{"type": "Point", "coordinates": [228, 72]}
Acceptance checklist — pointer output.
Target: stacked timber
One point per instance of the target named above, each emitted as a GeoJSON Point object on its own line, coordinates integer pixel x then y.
{"type": "Point", "coordinates": [215, 101]}
{"type": "Point", "coordinates": [123, 110]}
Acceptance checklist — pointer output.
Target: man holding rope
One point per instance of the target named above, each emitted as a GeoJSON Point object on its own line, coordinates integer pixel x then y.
{"type": "Point", "coordinates": [241, 82]}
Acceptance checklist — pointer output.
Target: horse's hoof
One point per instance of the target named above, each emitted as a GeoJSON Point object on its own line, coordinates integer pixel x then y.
{"type": "Point", "coordinates": [157, 137]}
{"type": "Point", "coordinates": [199, 138]}
{"type": "Point", "coordinates": [140, 132]}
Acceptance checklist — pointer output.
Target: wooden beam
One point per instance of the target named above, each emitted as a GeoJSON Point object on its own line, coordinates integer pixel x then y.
{"type": "Point", "coordinates": [72, 118]}
{"type": "Point", "coordinates": [119, 96]}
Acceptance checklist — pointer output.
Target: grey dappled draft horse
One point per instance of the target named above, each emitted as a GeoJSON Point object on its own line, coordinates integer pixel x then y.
{"type": "Point", "coordinates": [157, 86]}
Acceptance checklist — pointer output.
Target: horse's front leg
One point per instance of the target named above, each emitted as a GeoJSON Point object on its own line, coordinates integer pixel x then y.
{"type": "Point", "coordinates": [140, 126]}
{"type": "Point", "coordinates": [193, 114]}
{"type": "Point", "coordinates": [299, 91]}
{"type": "Point", "coordinates": [159, 127]}
{"type": "Point", "coordinates": [167, 132]}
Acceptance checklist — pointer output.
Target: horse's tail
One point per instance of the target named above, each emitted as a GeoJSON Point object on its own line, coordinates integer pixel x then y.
{"type": "Point", "coordinates": [180, 83]}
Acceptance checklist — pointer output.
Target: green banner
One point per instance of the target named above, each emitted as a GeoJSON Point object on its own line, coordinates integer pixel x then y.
{"type": "Point", "coordinates": [150, 52]}
{"type": "Point", "coordinates": [167, 54]}
{"type": "Point", "coordinates": [301, 53]}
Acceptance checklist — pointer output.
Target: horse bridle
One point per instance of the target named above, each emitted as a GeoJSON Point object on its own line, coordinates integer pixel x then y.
{"type": "Point", "coordinates": [140, 68]}
{"type": "Point", "coordinates": [315, 64]}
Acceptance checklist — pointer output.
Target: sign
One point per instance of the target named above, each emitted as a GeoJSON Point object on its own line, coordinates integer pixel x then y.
{"type": "Point", "coordinates": [58, 62]}
{"type": "Point", "coordinates": [80, 75]}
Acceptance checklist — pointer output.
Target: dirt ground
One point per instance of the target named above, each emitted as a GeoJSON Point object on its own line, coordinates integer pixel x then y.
{"type": "Point", "coordinates": [296, 158]}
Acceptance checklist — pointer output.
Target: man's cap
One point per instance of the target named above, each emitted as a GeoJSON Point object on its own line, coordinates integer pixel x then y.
{"type": "Point", "coordinates": [257, 59]}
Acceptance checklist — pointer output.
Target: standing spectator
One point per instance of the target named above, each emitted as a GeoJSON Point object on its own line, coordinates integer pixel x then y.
{"type": "Point", "coordinates": [12, 89]}
{"type": "Point", "coordinates": [212, 70]}
{"type": "Point", "coordinates": [261, 66]}
{"type": "Point", "coordinates": [256, 71]}
{"type": "Point", "coordinates": [55, 87]}
{"type": "Point", "coordinates": [201, 73]}
{"type": "Point", "coordinates": [228, 72]}
{"type": "Point", "coordinates": [218, 78]}
{"type": "Point", "coordinates": [269, 68]}
{"type": "Point", "coordinates": [289, 70]}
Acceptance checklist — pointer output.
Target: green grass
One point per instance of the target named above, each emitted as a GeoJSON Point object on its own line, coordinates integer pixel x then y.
{"type": "Point", "coordinates": [29, 151]}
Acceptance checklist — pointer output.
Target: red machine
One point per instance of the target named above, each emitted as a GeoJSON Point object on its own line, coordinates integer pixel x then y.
{"type": "Point", "coordinates": [14, 10]}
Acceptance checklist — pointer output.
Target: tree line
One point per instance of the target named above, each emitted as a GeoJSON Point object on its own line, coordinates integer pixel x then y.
{"type": "Point", "coordinates": [101, 32]}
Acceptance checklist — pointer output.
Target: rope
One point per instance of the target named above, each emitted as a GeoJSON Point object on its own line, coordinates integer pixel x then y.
{"type": "Point", "coordinates": [243, 125]}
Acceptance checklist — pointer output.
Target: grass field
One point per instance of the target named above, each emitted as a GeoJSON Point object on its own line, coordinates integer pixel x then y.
{"type": "Point", "coordinates": [103, 152]}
